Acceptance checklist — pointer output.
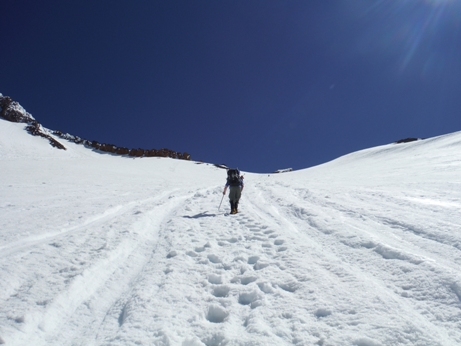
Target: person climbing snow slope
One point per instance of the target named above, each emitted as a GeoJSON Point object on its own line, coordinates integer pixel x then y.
{"type": "Point", "coordinates": [235, 184]}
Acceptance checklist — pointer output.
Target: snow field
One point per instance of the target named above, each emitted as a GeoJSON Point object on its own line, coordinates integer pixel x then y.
{"type": "Point", "coordinates": [102, 250]}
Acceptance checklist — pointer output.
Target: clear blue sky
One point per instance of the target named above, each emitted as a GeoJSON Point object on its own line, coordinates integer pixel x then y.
{"type": "Point", "coordinates": [261, 85]}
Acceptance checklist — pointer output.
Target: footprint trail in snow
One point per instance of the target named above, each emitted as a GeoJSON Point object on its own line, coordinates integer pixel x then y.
{"type": "Point", "coordinates": [364, 250]}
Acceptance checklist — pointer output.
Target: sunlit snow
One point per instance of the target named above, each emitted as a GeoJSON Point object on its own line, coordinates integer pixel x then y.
{"type": "Point", "coordinates": [106, 250]}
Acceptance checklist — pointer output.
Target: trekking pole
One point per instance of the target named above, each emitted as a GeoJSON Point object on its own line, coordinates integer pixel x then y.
{"type": "Point", "coordinates": [221, 202]}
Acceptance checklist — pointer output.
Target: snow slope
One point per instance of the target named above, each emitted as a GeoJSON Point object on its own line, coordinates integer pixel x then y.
{"type": "Point", "coordinates": [105, 250]}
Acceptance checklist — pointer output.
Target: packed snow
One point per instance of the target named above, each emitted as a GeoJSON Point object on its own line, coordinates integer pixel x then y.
{"type": "Point", "coordinates": [98, 249]}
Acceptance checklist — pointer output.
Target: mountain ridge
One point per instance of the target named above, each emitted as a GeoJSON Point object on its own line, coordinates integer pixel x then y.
{"type": "Point", "coordinates": [12, 111]}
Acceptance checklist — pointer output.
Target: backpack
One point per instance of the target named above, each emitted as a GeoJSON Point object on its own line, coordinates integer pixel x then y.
{"type": "Point", "coordinates": [233, 177]}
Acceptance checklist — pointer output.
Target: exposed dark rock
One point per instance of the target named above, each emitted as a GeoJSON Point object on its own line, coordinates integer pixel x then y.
{"type": "Point", "coordinates": [136, 152]}
{"type": "Point", "coordinates": [35, 130]}
{"type": "Point", "coordinates": [407, 140]}
{"type": "Point", "coordinates": [185, 156]}
{"type": "Point", "coordinates": [108, 148]}
{"type": "Point", "coordinates": [150, 153]}
{"type": "Point", "coordinates": [14, 112]}
{"type": "Point", "coordinates": [122, 151]}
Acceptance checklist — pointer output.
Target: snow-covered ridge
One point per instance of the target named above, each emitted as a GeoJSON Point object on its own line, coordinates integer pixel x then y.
{"type": "Point", "coordinates": [14, 112]}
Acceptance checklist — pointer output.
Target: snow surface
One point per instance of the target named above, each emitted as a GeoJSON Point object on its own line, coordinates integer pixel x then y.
{"type": "Point", "coordinates": [98, 249]}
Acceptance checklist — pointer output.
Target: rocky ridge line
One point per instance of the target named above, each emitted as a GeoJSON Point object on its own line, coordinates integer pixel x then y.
{"type": "Point", "coordinates": [14, 112]}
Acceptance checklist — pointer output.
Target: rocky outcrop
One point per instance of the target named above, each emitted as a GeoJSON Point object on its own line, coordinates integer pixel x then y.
{"type": "Point", "coordinates": [407, 140]}
{"type": "Point", "coordinates": [122, 151]}
{"type": "Point", "coordinates": [12, 111]}
{"type": "Point", "coordinates": [113, 149]}
{"type": "Point", "coordinates": [35, 129]}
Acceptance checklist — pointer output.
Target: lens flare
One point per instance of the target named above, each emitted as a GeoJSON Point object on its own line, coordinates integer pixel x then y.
{"type": "Point", "coordinates": [438, 2]}
{"type": "Point", "coordinates": [418, 31]}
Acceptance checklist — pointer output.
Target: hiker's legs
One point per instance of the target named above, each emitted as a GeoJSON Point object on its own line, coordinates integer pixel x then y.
{"type": "Point", "coordinates": [234, 196]}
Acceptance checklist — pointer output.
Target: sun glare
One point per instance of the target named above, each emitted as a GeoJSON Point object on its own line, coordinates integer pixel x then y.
{"type": "Point", "coordinates": [422, 32]}
{"type": "Point", "coordinates": [438, 2]}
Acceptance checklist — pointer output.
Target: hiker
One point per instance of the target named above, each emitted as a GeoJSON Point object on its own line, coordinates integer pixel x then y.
{"type": "Point", "coordinates": [235, 184]}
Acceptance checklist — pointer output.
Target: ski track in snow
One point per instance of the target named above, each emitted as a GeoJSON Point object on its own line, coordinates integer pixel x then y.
{"type": "Point", "coordinates": [32, 241]}
{"type": "Point", "coordinates": [100, 269]}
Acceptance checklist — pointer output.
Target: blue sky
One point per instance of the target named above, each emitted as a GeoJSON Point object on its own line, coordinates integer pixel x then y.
{"type": "Point", "coordinates": [261, 85]}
